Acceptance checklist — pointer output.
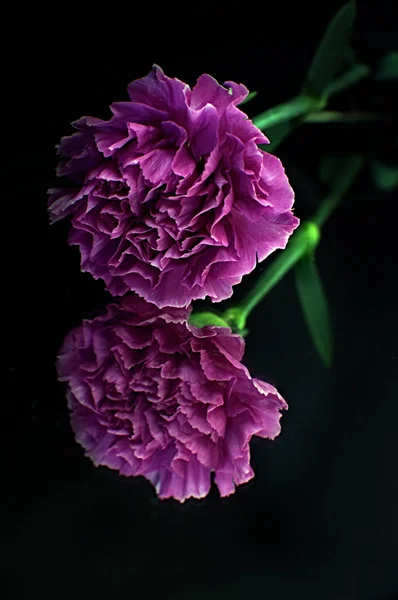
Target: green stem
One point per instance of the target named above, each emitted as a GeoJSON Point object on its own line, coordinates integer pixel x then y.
{"type": "Point", "coordinates": [306, 237]}
{"type": "Point", "coordinates": [334, 116]}
{"type": "Point", "coordinates": [305, 103]}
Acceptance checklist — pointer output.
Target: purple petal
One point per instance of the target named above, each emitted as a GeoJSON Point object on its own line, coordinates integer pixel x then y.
{"type": "Point", "coordinates": [174, 199]}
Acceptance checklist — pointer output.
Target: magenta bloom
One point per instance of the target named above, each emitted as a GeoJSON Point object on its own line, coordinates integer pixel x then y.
{"type": "Point", "coordinates": [151, 395]}
{"type": "Point", "coordinates": [175, 200]}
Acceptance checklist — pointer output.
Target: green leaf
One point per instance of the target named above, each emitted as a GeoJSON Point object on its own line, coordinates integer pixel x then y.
{"type": "Point", "coordinates": [331, 51]}
{"type": "Point", "coordinates": [314, 306]}
{"type": "Point", "coordinates": [249, 97]}
{"type": "Point", "coordinates": [385, 177]}
{"type": "Point", "coordinates": [388, 66]}
{"type": "Point", "coordinates": [204, 319]}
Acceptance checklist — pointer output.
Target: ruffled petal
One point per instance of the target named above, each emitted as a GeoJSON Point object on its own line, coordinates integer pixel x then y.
{"type": "Point", "coordinates": [175, 201]}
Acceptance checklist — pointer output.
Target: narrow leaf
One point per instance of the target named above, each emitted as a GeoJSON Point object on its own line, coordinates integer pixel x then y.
{"type": "Point", "coordinates": [314, 305]}
{"type": "Point", "coordinates": [331, 51]}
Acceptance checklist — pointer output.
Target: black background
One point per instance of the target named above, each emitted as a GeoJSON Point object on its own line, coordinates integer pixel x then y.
{"type": "Point", "coordinates": [319, 521]}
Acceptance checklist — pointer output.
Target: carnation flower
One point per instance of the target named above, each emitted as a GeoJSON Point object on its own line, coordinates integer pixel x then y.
{"type": "Point", "coordinates": [152, 395]}
{"type": "Point", "coordinates": [174, 199]}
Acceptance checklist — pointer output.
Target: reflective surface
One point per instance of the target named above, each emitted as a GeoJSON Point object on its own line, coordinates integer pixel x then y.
{"type": "Point", "coordinates": [320, 518]}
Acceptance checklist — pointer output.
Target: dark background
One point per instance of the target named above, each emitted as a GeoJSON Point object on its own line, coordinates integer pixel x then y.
{"type": "Point", "coordinates": [319, 521]}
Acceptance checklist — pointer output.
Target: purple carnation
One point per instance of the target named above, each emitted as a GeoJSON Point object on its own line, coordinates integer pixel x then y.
{"type": "Point", "coordinates": [175, 200]}
{"type": "Point", "coordinates": [151, 395]}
